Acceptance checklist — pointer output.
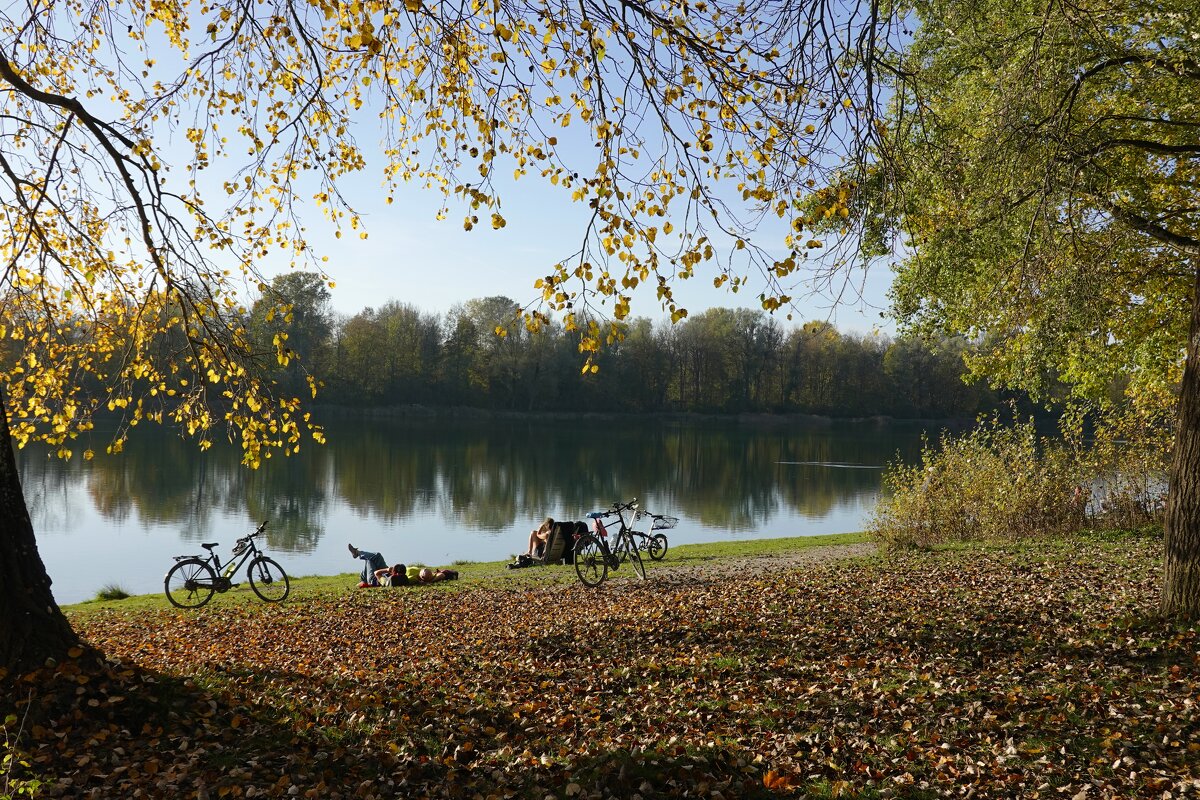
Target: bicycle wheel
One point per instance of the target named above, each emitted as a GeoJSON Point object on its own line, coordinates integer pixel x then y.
{"type": "Point", "coordinates": [268, 580]}
{"type": "Point", "coordinates": [637, 541]}
{"type": "Point", "coordinates": [635, 558]}
{"type": "Point", "coordinates": [190, 583]}
{"type": "Point", "coordinates": [590, 564]}
{"type": "Point", "coordinates": [657, 547]}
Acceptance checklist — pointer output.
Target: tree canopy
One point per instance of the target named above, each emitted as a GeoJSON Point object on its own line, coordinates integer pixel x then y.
{"type": "Point", "coordinates": [1046, 161]}
{"type": "Point", "coordinates": [1041, 165]}
{"type": "Point", "coordinates": [723, 361]}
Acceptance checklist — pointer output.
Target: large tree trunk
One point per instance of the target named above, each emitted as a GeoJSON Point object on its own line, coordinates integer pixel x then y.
{"type": "Point", "coordinates": [32, 628]}
{"type": "Point", "coordinates": [1181, 563]}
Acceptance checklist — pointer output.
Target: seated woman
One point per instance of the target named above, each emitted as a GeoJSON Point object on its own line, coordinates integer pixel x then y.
{"type": "Point", "coordinates": [538, 537]}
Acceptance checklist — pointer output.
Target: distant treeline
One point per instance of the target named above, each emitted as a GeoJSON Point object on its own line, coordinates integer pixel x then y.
{"type": "Point", "coordinates": [720, 361]}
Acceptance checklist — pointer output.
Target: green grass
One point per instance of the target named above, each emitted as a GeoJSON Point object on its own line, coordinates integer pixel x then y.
{"type": "Point", "coordinates": [112, 591]}
{"type": "Point", "coordinates": [473, 573]}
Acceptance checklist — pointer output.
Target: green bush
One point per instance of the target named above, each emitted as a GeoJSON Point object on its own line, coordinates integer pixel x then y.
{"type": "Point", "coordinates": [1004, 482]}
{"type": "Point", "coordinates": [112, 591]}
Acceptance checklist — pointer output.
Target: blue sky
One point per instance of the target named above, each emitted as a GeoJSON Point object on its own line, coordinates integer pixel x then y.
{"type": "Point", "coordinates": [412, 257]}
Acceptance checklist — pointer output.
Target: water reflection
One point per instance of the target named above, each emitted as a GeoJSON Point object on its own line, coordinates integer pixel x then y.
{"type": "Point", "coordinates": [438, 479]}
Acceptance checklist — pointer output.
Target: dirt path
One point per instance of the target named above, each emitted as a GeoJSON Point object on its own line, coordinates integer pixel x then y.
{"type": "Point", "coordinates": [731, 566]}
{"type": "Point", "coordinates": [678, 568]}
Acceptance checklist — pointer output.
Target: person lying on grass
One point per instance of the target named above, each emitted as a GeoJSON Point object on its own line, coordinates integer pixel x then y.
{"type": "Point", "coordinates": [375, 564]}
{"type": "Point", "coordinates": [376, 572]}
{"type": "Point", "coordinates": [427, 575]}
{"type": "Point", "coordinates": [400, 575]}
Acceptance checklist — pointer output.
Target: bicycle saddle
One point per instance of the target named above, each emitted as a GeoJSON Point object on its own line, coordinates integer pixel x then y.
{"type": "Point", "coordinates": [210, 545]}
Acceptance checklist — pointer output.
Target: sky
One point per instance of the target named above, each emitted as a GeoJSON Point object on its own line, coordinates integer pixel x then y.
{"type": "Point", "coordinates": [413, 258]}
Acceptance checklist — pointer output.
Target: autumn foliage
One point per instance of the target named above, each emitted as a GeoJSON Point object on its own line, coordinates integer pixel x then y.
{"type": "Point", "coordinates": [1004, 481]}
{"type": "Point", "coordinates": [988, 673]}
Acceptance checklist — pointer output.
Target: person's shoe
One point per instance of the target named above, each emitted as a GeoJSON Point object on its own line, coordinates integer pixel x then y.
{"type": "Point", "coordinates": [353, 550]}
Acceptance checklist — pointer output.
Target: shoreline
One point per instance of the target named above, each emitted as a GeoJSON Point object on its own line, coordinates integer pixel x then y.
{"type": "Point", "coordinates": [696, 562]}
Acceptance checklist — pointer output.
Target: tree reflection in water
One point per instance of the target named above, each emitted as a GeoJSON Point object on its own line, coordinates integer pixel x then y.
{"type": "Point", "coordinates": [482, 479]}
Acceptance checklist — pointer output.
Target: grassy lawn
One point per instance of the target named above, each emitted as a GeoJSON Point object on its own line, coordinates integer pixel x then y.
{"type": "Point", "coordinates": [1038, 670]}
{"type": "Point", "coordinates": [472, 573]}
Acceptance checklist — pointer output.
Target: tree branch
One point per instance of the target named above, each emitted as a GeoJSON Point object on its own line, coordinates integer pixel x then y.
{"type": "Point", "coordinates": [1181, 242]}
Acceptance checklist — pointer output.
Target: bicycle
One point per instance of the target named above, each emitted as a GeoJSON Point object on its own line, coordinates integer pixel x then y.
{"type": "Point", "coordinates": [652, 543]}
{"type": "Point", "coordinates": [194, 579]}
{"type": "Point", "coordinates": [655, 544]}
{"type": "Point", "coordinates": [594, 558]}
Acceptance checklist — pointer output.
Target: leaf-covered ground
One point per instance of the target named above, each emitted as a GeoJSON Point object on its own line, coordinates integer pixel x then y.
{"type": "Point", "coordinates": [1030, 672]}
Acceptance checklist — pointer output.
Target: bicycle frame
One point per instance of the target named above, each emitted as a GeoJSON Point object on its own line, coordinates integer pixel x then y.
{"type": "Point", "coordinates": [224, 573]}
{"type": "Point", "coordinates": [627, 515]}
{"type": "Point", "coordinates": [194, 579]}
{"type": "Point", "coordinates": [235, 562]}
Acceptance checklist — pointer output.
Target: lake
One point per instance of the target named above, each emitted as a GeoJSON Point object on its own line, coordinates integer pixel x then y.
{"type": "Point", "coordinates": [438, 489]}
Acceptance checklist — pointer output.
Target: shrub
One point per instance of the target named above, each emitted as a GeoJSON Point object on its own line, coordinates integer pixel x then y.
{"type": "Point", "coordinates": [1129, 463]}
{"type": "Point", "coordinates": [112, 591]}
{"type": "Point", "coordinates": [1004, 482]}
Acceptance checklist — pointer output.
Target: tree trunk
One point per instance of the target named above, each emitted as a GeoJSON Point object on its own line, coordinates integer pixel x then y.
{"type": "Point", "coordinates": [1181, 562]}
{"type": "Point", "coordinates": [32, 628]}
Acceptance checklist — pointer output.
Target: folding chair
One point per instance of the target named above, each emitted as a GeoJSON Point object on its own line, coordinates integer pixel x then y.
{"type": "Point", "coordinates": [556, 544]}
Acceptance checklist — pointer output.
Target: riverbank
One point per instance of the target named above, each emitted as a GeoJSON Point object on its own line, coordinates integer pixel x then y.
{"type": "Point", "coordinates": [725, 558]}
{"type": "Point", "coordinates": [437, 493]}
{"type": "Point", "coordinates": [1036, 670]}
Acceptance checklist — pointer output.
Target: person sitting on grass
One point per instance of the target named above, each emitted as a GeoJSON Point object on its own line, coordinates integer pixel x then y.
{"type": "Point", "coordinates": [539, 536]}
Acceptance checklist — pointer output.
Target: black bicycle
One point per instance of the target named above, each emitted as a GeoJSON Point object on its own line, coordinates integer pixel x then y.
{"type": "Point", "coordinates": [593, 556]}
{"type": "Point", "coordinates": [194, 579]}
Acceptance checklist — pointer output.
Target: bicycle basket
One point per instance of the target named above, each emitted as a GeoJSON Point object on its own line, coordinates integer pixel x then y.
{"type": "Point", "coordinates": [663, 522]}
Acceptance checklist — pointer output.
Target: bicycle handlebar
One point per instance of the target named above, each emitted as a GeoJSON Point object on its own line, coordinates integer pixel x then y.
{"type": "Point", "coordinates": [257, 532]}
{"type": "Point", "coordinates": [613, 510]}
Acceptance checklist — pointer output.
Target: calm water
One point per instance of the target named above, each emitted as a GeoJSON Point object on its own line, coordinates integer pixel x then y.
{"type": "Point", "coordinates": [436, 490]}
